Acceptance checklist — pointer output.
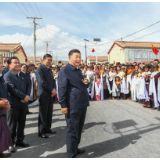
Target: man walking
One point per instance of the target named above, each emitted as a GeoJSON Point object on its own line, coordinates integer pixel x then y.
{"type": "Point", "coordinates": [74, 99]}
{"type": "Point", "coordinates": [46, 93]}
{"type": "Point", "coordinates": [19, 88]}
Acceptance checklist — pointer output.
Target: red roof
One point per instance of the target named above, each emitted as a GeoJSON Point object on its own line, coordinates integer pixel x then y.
{"type": "Point", "coordinates": [131, 44]}
{"type": "Point", "coordinates": [9, 46]}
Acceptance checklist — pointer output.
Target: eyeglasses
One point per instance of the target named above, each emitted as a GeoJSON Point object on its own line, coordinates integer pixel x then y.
{"type": "Point", "coordinates": [16, 62]}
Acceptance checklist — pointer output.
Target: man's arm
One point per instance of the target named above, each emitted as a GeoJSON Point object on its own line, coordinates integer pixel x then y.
{"type": "Point", "coordinates": [12, 89]}
{"type": "Point", "coordinates": [62, 88]}
{"type": "Point", "coordinates": [41, 81]}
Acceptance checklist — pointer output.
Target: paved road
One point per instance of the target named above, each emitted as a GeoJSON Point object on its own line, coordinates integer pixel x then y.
{"type": "Point", "coordinates": [113, 128]}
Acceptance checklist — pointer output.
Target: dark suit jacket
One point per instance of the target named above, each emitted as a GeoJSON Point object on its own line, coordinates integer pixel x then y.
{"type": "Point", "coordinates": [3, 90]}
{"type": "Point", "coordinates": [45, 81]}
{"type": "Point", "coordinates": [5, 70]}
{"type": "Point", "coordinates": [72, 91]}
{"type": "Point", "coordinates": [18, 87]}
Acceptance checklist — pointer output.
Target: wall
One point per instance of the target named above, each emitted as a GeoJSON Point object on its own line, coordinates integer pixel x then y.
{"type": "Point", "coordinates": [20, 56]}
{"type": "Point", "coordinates": [117, 54]}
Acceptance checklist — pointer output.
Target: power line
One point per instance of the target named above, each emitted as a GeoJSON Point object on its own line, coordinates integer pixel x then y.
{"type": "Point", "coordinates": [68, 35]}
{"type": "Point", "coordinates": [38, 20]}
{"type": "Point", "coordinates": [15, 25]}
{"type": "Point", "coordinates": [32, 9]}
{"type": "Point", "coordinates": [68, 41]}
{"type": "Point", "coordinates": [146, 35]}
{"type": "Point", "coordinates": [42, 20]}
{"type": "Point", "coordinates": [132, 33]}
{"type": "Point", "coordinates": [27, 37]}
{"type": "Point", "coordinates": [20, 9]}
{"type": "Point", "coordinates": [26, 9]}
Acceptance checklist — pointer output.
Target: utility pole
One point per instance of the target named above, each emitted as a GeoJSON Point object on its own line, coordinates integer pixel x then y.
{"type": "Point", "coordinates": [34, 19]}
{"type": "Point", "coordinates": [86, 52]}
{"type": "Point", "coordinates": [86, 49]}
{"type": "Point", "coordinates": [47, 46]}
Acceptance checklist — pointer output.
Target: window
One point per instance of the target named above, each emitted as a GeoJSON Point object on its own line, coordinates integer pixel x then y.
{"type": "Point", "coordinates": [142, 55]}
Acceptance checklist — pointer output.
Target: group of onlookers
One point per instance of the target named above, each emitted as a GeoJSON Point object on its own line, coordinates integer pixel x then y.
{"type": "Point", "coordinates": [18, 89]}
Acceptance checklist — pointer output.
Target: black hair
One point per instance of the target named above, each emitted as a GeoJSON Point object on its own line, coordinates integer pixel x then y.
{"type": "Point", "coordinates": [10, 59]}
{"type": "Point", "coordinates": [156, 60]}
{"type": "Point", "coordinates": [46, 56]}
{"type": "Point", "coordinates": [23, 64]}
{"type": "Point", "coordinates": [73, 51]}
{"type": "Point", "coordinates": [6, 60]}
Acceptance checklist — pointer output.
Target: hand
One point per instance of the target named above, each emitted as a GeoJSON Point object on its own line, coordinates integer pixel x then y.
{"type": "Point", "coordinates": [85, 81]}
{"type": "Point", "coordinates": [23, 101]}
{"type": "Point", "coordinates": [64, 111]}
{"type": "Point", "coordinates": [4, 103]}
{"type": "Point", "coordinates": [27, 99]}
{"type": "Point", "coordinates": [8, 107]}
{"type": "Point", "coordinates": [53, 93]}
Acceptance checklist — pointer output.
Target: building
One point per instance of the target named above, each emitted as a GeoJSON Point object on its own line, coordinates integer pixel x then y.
{"type": "Point", "coordinates": [100, 59]}
{"type": "Point", "coordinates": [31, 60]}
{"type": "Point", "coordinates": [12, 49]}
{"type": "Point", "coordinates": [56, 62]}
{"type": "Point", "coordinates": [125, 51]}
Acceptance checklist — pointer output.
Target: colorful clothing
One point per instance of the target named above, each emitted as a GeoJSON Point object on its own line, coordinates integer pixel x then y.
{"type": "Point", "coordinates": [5, 138]}
{"type": "Point", "coordinates": [98, 89]}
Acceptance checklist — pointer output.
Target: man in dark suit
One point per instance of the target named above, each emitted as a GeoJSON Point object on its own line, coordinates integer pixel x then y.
{"type": "Point", "coordinates": [6, 67]}
{"type": "Point", "coordinates": [46, 91]}
{"type": "Point", "coordinates": [74, 100]}
{"type": "Point", "coordinates": [24, 70]}
{"type": "Point", "coordinates": [19, 88]}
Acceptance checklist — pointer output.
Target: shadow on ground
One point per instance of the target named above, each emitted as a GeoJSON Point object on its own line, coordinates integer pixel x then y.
{"type": "Point", "coordinates": [40, 145]}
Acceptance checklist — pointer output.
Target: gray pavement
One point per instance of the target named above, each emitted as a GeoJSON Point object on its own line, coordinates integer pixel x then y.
{"type": "Point", "coordinates": [113, 129]}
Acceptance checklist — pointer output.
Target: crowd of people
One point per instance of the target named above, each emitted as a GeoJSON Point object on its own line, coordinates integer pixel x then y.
{"type": "Point", "coordinates": [136, 81]}
{"type": "Point", "coordinates": [139, 82]}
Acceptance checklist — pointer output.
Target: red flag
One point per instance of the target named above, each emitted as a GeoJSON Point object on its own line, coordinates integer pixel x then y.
{"type": "Point", "coordinates": [93, 50]}
{"type": "Point", "coordinates": [155, 50]}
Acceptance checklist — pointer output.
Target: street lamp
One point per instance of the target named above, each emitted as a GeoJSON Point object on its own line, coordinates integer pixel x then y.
{"type": "Point", "coordinates": [86, 49]}
{"type": "Point", "coordinates": [96, 40]}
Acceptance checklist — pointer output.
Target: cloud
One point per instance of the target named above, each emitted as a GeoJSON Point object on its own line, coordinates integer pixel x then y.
{"type": "Point", "coordinates": [107, 21]}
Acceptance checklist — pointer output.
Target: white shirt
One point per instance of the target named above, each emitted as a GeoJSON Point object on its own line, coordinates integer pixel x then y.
{"type": "Point", "coordinates": [89, 73]}
{"type": "Point", "coordinates": [111, 74]}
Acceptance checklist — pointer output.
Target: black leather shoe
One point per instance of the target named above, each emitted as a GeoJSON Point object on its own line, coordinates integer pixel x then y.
{"type": "Point", "coordinates": [22, 144]}
{"type": "Point", "coordinates": [51, 132]}
{"type": "Point", "coordinates": [12, 149]}
{"type": "Point", "coordinates": [43, 135]}
{"type": "Point", "coordinates": [154, 108]}
{"type": "Point", "coordinates": [29, 113]}
{"type": "Point", "coordinates": [4, 155]}
{"type": "Point", "coordinates": [80, 151]}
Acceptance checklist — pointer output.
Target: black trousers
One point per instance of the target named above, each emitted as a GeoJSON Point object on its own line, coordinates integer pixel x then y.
{"type": "Point", "coordinates": [16, 118]}
{"type": "Point", "coordinates": [45, 114]}
{"type": "Point", "coordinates": [75, 122]}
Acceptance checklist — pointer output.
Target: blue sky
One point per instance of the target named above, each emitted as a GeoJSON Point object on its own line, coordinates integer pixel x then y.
{"type": "Point", "coordinates": [108, 21]}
